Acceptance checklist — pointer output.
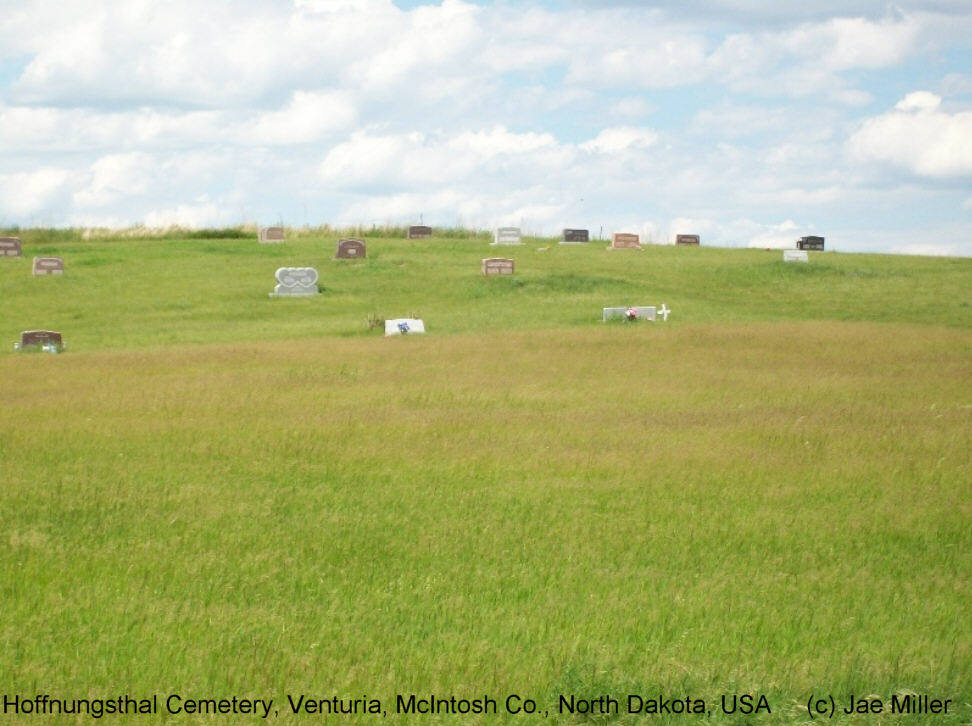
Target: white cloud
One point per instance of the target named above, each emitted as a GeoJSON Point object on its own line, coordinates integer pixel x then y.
{"type": "Point", "coordinates": [919, 137]}
{"type": "Point", "coordinates": [27, 193]}
{"type": "Point", "coordinates": [621, 138]}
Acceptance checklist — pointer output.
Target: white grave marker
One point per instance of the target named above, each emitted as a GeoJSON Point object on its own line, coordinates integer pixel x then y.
{"type": "Point", "coordinates": [507, 236]}
{"type": "Point", "coordinates": [295, 282]}
{"type": "Point", "coordinates": [404, 326]}
{"type": "Point", "coordinates": [795, 256]}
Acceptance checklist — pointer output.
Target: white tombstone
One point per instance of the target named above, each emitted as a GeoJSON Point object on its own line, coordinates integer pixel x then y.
{"type": "Point", "coordinates": [295, 282]}
{"type": "Point", "coordinates": [795, 256]}
{"type": "Point", "coordinates": [640, 313]}
{"type": "Point", "coordinates": [664, 311]}
{"type": "Point", "coordinates": [404, 326]}
{"type": "Point", "coordinates": [507, 236]}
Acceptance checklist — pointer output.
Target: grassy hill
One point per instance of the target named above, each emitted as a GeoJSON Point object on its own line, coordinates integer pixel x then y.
{"type": "Point", "coordinates": [216, 493]}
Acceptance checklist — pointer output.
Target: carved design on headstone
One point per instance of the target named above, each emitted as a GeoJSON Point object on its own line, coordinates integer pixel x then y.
{"type": "Point", "coordinates": [419, 231]}
{"type": "Point", "coordinates": [625, 241]}
{"type": "Point", "coordinates": [404, 326]}
{"type": "Point", "coordinates": [271, 234]}
{"type": "Point", "coordinates": [295, 281]}
{"type": "Point", "coordinates": [350, 249]}
{"type": "Point", "coordinates": [10, 247]}
{"type": "Point", "coordinates": [497, 266]}
{"type": "Point", "coordinates": [575, 236]}
{"type": "Point", "coordinates": [507, 236]}
{"type": "Point", "coordinates": [48, 266]}
{"type": "Point", "coordinates": [686, 239]}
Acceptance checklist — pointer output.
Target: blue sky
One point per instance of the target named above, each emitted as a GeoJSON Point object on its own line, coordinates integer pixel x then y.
{"type": "Point", "coordinates": [748, 122]}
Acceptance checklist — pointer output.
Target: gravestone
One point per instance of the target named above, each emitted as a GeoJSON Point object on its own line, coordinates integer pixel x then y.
{"type": "Point", "coordinates": [575, 236]}
{"type": "Point", "coordinates": [404, 326]}
{"type": "Point", "coordinates": [295, 282]}
{"type": "Point", "coordinates": [664, 312]}
{"type": "Point", "coordinates": [419, 231]}
{"type": "Point", "coordinates": [350, 249]}
{"type": "Point", "coordinates": [40, 339]}
{"type": "Point", "coordinates": [625, 241]}
{"type": "Point", "coordinates": [497, 266]}
{"type": "Point", "coordinates": [795, 256]}
{"type": "Point", "coordinates": [48, 266]}
{"type": "Point", "coordinates": [686, 239]}
{"type": "Point", "coordinates": [271, 234]}
{"type": "Point", "coordinates": [507, 236]}
{"type": "Point", "coordinates": [629, 313]}
{"type": "Point", "coordinates": [10, 247]}
{"type": "Point", "coordinates": [810, 243]}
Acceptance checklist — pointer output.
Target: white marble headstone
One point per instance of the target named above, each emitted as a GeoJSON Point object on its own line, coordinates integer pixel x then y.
{"type": "Point", "coordinates": [404, 326]}
{"type": "Point", "coordinates": [295, 282]}
{"type": "Point", "coordinates": [795, 256]}
{"type": "Point", "coordinates": [507, 236]}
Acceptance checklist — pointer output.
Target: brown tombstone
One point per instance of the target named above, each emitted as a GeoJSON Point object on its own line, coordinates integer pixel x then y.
{"type": "Point", "coordinates": [32, 338]}
{"type": "Point", "coordinates": [48, 266]}
{"type": "Point", "coordinates": [419, 231]}
{"type": "Point", "coordinates": [350, 249]}
{"type": "Point", "coordinates": [576, 235]}
{"type": "Point", "coordinates": [686, 239]}
{"type": "Point", "coordinates": [497, 266]}
{"type": "Point", "coordinates": [271, 234]}
{"type": "Point", "coordinates": [625, 241]}
{"type": "Point", "coordinates": [10, 247]}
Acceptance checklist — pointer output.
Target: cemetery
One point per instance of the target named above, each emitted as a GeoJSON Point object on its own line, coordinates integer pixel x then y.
{"type": "Point", "coordinates": [502, 493]}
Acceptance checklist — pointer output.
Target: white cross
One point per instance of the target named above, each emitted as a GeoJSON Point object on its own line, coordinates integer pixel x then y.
{"type": "Point", "coordinates": [664, 311]}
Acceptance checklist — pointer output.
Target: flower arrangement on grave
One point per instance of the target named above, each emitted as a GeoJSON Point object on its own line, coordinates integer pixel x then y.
{"type": "Point", "coordinates": [631, 314]}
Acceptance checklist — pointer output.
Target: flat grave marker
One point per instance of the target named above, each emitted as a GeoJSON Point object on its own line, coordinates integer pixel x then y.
{"type": "Point", "coordinates": [507, 236]}
{"type": "Point", "coordinates": [271, 234]}
{"type": "Point", "coordinates": [295, 282]}
{"type": "Point", "coordinates": [575, 236]}
{"type": "Point", "coordinates": [350, 249]}
{"type": "Point", "coordinates": [687, 239]}
{"type": "Point", "coordinates": [48, 266]}
{"type": "Point", "coordinates": [625, 241]}
{"type": "Point", "coordinates": [404, 326]}
{"type": "Point", "coordinates": [10, 247]}
{"type": "Point", "coordinates": [497, 266]}
{"type": "Point", "coordinates": [795, 256]}
{"type": "Point", "coordinates": [419, 231]}
{"type": "Point", "coordinates": [634, 312]}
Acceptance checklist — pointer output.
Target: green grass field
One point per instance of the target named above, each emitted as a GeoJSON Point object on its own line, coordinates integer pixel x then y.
{"type": "Point", "coordinates": [213, 493]}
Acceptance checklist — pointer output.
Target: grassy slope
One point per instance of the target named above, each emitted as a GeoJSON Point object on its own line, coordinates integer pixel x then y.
{"type": "Point", "coordinates": [737, 500]}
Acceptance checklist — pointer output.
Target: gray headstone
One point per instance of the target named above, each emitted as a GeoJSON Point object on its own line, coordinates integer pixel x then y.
{"type": "Point", "coordinates": [271, 234]}
{"type": "Point", "coordinates": [507, 236]}
{"type": "Point", "coordinates": [295, 282]}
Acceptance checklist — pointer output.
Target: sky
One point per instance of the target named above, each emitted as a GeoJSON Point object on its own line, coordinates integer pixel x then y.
{"type": "Point", "coordinates": [748, 122]}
